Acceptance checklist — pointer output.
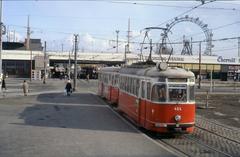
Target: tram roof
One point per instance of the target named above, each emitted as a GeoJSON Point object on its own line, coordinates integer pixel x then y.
{"type": "Point", "coordinates": [170, 72]}
{"type": "Point", "coordinates": [110, 69]}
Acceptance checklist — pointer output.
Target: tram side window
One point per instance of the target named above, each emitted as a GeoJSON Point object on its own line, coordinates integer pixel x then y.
{"type": "Point", "coordinates": [137, 86]}
{"type": "Point", "coordinates": [159, 93]}
{"type": "Point", "coordinates": [114, 80]}
{"type": "Point", "coordinates": [125, 84]}
{"type": "Point", "coordinates": [143, 90]}
{"type": "Point", "coordinates": [129, 85]}
{"type": "Point", "coordinates": [106, 78]}
{"type": "Point", "coordinates": [113, 83]}
{"type": "Point", "coordinates": [109, 78]}
{"type": "Point", "coordinates": [121, 83]}
{"type": "Point", "coordinates": [132, 85]}
{"type": "Point", "coordinates": [177, 94]}
{"type": "Point", "coordinates": [99, 77]}
{"type": "Point", "coordinates": [117, 78]}
{"type": "Point", "coordinates": [148, 90]}
{"type": "Point", "coordinates": [191, 93]}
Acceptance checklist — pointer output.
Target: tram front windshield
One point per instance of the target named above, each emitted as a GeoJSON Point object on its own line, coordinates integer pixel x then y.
{"type": "Point", "coordinates": [177, 94]}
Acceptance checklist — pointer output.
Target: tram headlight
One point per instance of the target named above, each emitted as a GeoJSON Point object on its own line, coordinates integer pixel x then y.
{"type": "Point", "coordinates": [178, 118]}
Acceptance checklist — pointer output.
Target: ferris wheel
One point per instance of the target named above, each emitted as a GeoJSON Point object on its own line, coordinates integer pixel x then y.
{"type": "Point", "coordinates": [198, 22]}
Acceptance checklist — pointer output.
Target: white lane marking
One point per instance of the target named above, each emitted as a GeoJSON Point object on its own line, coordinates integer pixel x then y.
{"type": "Point", "coordinates": [85, 105]}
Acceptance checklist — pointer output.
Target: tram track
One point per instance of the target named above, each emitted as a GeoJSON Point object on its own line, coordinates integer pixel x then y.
{"type": "Point", "coordinates": [209, 139]}
{"type": "Point", "coordinates": [191, 147]}
{"type": "Point", "coordinates": [227, 137]}
{"type": "Point", "coordinates": [202, 142]}
{"type": "Point", "coordinates": [206, 143]}
{"type": "Point", "coordinates": [222, 130]}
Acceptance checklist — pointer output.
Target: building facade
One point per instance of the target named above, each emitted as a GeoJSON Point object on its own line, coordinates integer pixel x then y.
{"type": "Point", "coordinates": [19, 63]}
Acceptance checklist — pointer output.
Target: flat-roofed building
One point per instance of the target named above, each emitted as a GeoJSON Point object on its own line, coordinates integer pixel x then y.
{"type": "Point", "coordinates": [17, 63]}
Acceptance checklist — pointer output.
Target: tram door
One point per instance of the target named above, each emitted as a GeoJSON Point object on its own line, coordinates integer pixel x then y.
{"type": "Point", "coordinates": [142, 104]}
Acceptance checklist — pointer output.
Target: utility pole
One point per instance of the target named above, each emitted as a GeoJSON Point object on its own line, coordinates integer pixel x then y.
{"type": "Point", "coordinates": [45, 66]}
{"type": "Point", "coordinates": [75, 63]}
{"type": "Point", "coordinates": [200, 60]}
{"type": "Point", "coordinates": [239, 47]}
{"type": "Point", "coordinates": [30, 65]}
{"type": "Point", "coordinates": [62, 47]}
{"type": "Point", "coordinates": [128, 37]}
{"type": "Point", "coordinates": [117, 31]}
{"type": "Point", "coordinates": [69, 65]}
{"type": "Point", "coordinates": [1, 32]}
{"type": "Point", "coordinates": [28, 47]}
{"type": "Point", "coordinates": [125, 55]}
{"type": "Point", "coordinates": [28, 35]}
{"type": "Point", "coordinates": [211, 80]}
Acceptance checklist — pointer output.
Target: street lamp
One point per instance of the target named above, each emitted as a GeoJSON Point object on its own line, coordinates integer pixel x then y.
{"type": "Point", "coordinates": [1, 32]}
{"type": "Point", "coordinates": [45, 64]}
{"type": "Point", "coordinates": [75, 61]}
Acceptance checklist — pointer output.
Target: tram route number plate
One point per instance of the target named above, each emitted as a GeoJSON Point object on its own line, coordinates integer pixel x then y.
{"type": "Point", "coordinates": [177, 109]}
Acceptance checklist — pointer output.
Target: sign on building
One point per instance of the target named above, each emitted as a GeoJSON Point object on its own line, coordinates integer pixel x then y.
{"type": "Point", "coordinates": [39, 62]}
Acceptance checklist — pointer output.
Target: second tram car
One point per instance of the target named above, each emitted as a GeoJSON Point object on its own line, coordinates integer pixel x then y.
{"type": "Point", "coordinates": [108, 84]}
{"type": "Point", "coordinates": [160, 100]}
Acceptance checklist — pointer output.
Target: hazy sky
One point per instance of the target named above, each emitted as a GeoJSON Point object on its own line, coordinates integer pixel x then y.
{"type": "Point", "coordinates": [97, 21]}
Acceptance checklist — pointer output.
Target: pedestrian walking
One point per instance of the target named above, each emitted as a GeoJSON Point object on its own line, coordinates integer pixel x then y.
{"type": "Point", "coordinates": [87, 77]}
{"type": "Point", "coordinates": [4, 87]}
{"type": "Point", "coordinates": [25, 88]}
{"type": "Point", "coordinates": [4, 84]}
{"type": "Point", "coordinates": [68, 88]}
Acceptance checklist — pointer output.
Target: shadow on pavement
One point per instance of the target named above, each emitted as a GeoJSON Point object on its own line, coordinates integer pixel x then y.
{"type": "Point", "coordinates": [75, 98]}
{"type": "Point", "coordinates": [87, 114]}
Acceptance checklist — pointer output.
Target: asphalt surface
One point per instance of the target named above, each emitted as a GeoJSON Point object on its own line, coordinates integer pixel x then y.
{"type": "Point", "coordinates": [49, 123]}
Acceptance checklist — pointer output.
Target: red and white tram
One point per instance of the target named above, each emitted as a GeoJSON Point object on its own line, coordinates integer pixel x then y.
{"type": "Point", "coordinates": [108, 84]}
{"type": "Point", "coordinates": [158, 100]}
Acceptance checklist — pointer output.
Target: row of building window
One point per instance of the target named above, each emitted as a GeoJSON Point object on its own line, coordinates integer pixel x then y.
{"type": "Point", "coordinates": [194, 67]}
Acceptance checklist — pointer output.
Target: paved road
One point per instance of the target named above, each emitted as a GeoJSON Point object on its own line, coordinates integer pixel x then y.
{"type": "Point", "coordinates": [54, 125]}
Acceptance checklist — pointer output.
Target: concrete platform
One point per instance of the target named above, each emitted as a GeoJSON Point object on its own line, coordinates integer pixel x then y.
{"type": "Point", "coordinates": [54, 125]}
